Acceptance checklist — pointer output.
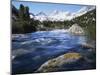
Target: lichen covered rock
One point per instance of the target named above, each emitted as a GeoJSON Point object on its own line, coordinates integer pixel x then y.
{"type": "Point", "coordinates": [57, 63]}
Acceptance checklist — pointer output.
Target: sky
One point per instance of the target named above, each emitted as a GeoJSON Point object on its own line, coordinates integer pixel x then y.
{"type": "Point", "coordinates": [36, 7]}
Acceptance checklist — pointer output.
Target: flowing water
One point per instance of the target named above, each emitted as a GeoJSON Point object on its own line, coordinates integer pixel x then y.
{"type": "Point", "coordinates": [30, 51]}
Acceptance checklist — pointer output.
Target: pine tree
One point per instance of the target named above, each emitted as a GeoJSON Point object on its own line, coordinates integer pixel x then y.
{"type": "Point", "coordinates": [21, 12]}
{"type": "Point", "coordinates": [26, 12]}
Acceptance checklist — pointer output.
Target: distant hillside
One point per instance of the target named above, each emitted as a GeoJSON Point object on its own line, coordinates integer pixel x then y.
{"type": "Point", "coordinates": [88, 22]}
{"type": "Point", "coordinates": [86, 19]}
{"type": "Point", "coordinates": [22, 22]}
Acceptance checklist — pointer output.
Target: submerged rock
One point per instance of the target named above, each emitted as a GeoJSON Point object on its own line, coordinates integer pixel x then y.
{"type": "Point", "coordinates": [86, 45]}
{"type": "Point", "coordinates": [60, 62]}
{"type": "Point", "coordinates": [76, 29]}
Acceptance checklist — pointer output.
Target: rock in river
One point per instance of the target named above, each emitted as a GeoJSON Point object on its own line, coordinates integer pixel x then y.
{"type": "Point", "coordinates": [76, 29]}
{"type": "Point", "coordinates": [67, 60]}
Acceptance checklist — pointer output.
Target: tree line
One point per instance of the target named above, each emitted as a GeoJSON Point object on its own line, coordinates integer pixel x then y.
{"type": "Point", "coordinates": [22, 23]}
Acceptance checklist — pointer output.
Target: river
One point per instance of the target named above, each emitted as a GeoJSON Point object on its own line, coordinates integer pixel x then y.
{"type": "Point", "coordinates": [30, 51]}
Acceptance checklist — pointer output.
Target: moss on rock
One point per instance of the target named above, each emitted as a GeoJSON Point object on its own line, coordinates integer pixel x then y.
{"type": "Point", "coordinates": [56, 63]}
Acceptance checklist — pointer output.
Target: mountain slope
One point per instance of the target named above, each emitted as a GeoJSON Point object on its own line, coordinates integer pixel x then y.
{"type": "Point", "coordinates": [57, 15]}
{"type": "Point", "coordinates": [88, 22]}
{"type": "Point", "coordinates": [85, 17]}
